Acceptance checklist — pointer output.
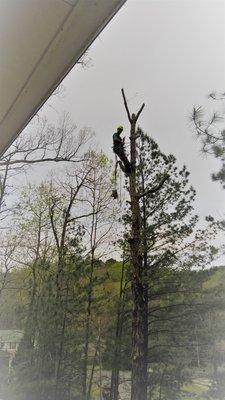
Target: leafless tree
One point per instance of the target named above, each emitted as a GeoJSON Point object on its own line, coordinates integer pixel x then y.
{"type": "Point", "coordinates": [48, 145]}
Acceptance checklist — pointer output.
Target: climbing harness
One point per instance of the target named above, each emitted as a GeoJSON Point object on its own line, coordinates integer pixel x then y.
{"type": "Point", "coordinates": [124, 163]}
{"type": "Point", "coordinates": [119, 150]}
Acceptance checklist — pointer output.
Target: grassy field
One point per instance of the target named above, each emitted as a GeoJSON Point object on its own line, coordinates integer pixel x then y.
{"type": "Point", "coordinates": [194, 391]}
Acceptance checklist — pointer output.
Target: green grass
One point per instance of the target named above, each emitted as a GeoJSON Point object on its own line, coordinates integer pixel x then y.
{"type": "Point", "coordinates": [215, 279]}
{"type": "Point", "coordinates": [193, 391]}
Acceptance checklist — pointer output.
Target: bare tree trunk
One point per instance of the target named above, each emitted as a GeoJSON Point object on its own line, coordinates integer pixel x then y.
{"type": "Point", "coordinates": [31, 320]}
{"type": "Point", "coordinates": [93, 369]}
{"type": "Point", "coordinates": [145, 262]}
{"type": "Point", "coordinates": [140, 311]}
{"type": "Point", "coordinates": [3, 185]}
{"type": "Point", "coordinates": [140, 301]}
{"type": "Point", "coordinates": [161, 384]}
{"type": "Point", "coordinates": [61, 348]}
{"type": "Point", "coordinates": [100, 362]}
{"type": "Point", "coordinates": [114, 389]}
{"type": "Point", "coordinates": [93, 234]}
{"type": "Point", "coordinates": [87, 327]}
{"type": "Point", "coordinates": [197, 348]}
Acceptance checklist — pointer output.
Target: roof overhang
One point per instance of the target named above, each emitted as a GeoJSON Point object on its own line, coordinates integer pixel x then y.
{"type": "Point", "coordinates": [40, 41]}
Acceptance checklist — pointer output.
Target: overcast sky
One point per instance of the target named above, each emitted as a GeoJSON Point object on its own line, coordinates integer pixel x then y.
{"type": "Point", "coordinates": [168, 54]}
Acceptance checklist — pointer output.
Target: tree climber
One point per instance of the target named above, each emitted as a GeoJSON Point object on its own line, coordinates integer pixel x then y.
{"type": "Point", "coordinates": [118, 148]}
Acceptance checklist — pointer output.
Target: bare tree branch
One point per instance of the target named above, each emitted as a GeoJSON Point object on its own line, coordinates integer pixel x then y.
{"type": "Point", "coordinates": [126, 106]}
{"type": "Point", "coordinates": [139, 112]}
{"type": "Point", "coordinates": [156, 188]}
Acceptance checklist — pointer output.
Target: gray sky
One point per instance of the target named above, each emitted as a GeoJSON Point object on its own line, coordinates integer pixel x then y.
{"type": "Point", "coordinates": [169, 54]}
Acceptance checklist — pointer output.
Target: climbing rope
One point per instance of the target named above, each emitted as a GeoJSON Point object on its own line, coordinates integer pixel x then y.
{"type": "Point", "coordinates": [117, 193]}
{"type": "Point", "coordinates": [114, 192]}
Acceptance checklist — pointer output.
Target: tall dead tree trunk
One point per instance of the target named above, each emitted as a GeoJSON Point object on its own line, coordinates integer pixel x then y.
{"type": "Point", "coordinates": [145, 251]}
{"type": "Point", "coordinates": [140, 297]}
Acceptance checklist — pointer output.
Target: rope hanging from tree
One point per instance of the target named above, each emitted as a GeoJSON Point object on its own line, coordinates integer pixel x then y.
{"type": "Point", "coordinates": [115, 192]}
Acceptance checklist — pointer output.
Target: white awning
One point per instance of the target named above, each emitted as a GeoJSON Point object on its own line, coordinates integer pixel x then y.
{"type": "Point", "coordinates": [40, 41]}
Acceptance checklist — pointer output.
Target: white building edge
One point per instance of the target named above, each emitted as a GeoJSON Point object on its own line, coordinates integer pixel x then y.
{"type": "Point", "coordinates": [40, 41]}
